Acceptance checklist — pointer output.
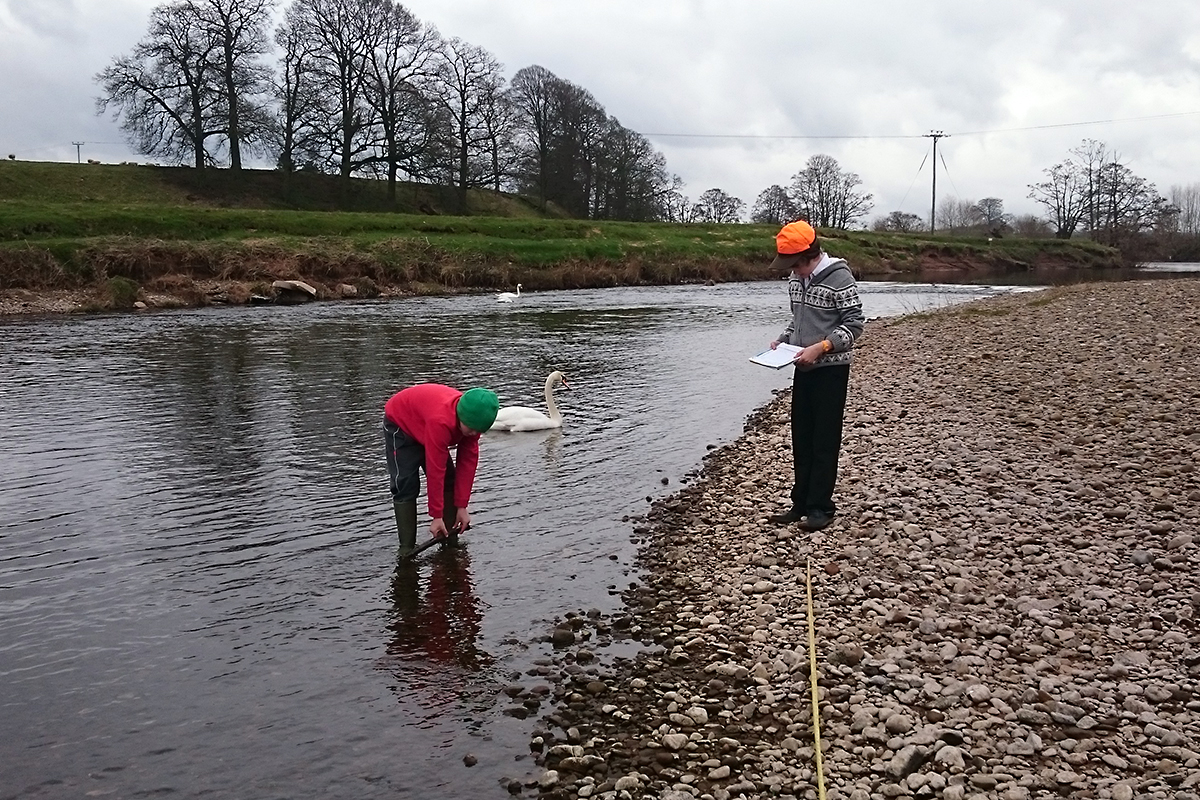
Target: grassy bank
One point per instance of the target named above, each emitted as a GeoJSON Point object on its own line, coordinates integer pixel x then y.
{"type": "Point", "coordinates": [130, 228]}
{"type": "Point", "coordinates": [134, 184]}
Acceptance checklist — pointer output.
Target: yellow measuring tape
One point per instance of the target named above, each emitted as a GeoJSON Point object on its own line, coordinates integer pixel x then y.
{"type": "Point", "coordinates": [812, 676]}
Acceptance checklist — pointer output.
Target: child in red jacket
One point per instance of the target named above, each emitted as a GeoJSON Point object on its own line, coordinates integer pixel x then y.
{"type": "Point", "coordinates": [420, 426]}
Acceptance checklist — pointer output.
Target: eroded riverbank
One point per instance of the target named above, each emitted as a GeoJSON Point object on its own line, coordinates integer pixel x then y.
{"type": "Point", "coordinates": [1005, 608]}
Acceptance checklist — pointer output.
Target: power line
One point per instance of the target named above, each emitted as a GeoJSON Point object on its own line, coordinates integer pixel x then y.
{"type": "Point", "coordinates": [914, 180]}
{"type": "Point", "coordinates": [771, 136]}
{"type": "Point", "coordinates": [918, 136]}
{"type": "Point", "coordinates": [1077, 124]}
{"type": "Point", "coordinates": [950, 177]}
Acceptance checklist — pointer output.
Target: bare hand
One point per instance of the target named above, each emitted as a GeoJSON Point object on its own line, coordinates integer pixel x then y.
{"type": "Point", "coordinates": [774, 344]}
{"type": "Point", "coordinates": [809, 355]}
{"type": "Point", "coordinates": [462, 520]}
{"type": "Point", "coordinates": [437, 529]}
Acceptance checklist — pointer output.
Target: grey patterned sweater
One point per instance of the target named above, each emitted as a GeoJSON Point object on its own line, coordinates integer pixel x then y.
{"type": "Point", "coordinates": [825, 306]}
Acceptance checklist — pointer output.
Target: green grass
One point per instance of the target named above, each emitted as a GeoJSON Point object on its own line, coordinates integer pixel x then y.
{"type": "Point", "coordinates": [71, 225]}
{"type": "Point", "coordinates": [67, 228]}
{"type": "Point", "coordinates": [521, 240]}
{"type": "Point", "coordinates": [129, 184]}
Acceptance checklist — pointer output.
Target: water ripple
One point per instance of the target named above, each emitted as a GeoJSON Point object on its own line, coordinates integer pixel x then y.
{"type": "Point", "coordinates": [197, 552]}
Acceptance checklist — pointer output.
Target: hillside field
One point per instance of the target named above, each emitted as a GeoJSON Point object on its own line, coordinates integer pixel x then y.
{"type": "Point", "coordinates": [166, 231]}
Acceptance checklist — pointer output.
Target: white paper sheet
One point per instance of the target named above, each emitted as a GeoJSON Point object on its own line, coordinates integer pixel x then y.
{"type": "Point", "coordinates": [778, 358]}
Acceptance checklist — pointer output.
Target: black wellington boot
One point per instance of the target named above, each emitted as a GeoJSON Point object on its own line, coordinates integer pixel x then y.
{"type": "Point", "coordinates": [406, 525]}
{"type": "Point", "coordinates": [794, 514]}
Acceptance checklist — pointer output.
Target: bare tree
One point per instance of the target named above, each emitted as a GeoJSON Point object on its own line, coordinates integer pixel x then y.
{"type": "Point", "coordinates": [400, 68]}
{"type": "Point", "coordinates": [580, 123]}
{"type": "Point", "coordinates": [716, 206]}
{"type": "Point", "coordinates": [1062, 194]}
{"type": "Point", "coordinates": [827, 195]}
{"type": "Point", "coordinates": [1126, 204]}
{"type": "Point", "coordinates": [955, 215]}
{"type": "Point", "coordinates": [296, 97]}
{"type": "Point", "coordinates": [1089, 159]}
{"type": "Point", "coordinates": [632, 182]}
{"type": "Point", "coordinates": [1187, 200]}
{"type": "Point", "coordinates": [572, 153]}
{"type": "Point", "coordinates": [532, 95]}
{"type": "Point", "coordinates": [677, 206]}
{"type": "Point", "coordinates": [1031, 226]}
{"type": "Point", "coordinates": [774, 206]}
{"type": "Point", "coordinates": [990, 212]}
{"type": "Point", "coordinates": [500, 122]}
{"type": "Point", "coordinates": [1095, 190]}
{"type": "Point", "coordinates": [900, 222]}
{"type": "Point", "coordinates": [561, 133]}
{"type": "Point", "coordinates": [470, 85]}
{"type": "Point", "coordinates": [163, 92]}
{"type": "Point", "coordinates": [196, 75]}
{"type": "Point", "coordinates": [238, 29]}
{"type": "Point", "coordinates": [341, 35]}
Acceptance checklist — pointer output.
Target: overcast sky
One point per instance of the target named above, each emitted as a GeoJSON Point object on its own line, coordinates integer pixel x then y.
{"type": "Point", "coordinates": [766, 68]}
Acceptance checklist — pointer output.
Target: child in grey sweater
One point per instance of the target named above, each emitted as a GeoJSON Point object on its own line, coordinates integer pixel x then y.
{"type": "Point", "coordinates": [826, 320]}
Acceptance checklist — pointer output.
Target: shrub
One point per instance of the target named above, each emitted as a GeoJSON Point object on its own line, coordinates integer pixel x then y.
{"type": "Point", "coordinates": [122, 292]}
{"type": "Point", "coordinates": [238, 294]}
{"type": "Point", "coordinates": [366, 287]}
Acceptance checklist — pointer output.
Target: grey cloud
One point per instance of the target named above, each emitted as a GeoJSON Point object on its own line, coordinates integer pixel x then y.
{"type": "Point", "coordinates": [765, 67]}
{"type": "Point", "coordinates": [50, 19]}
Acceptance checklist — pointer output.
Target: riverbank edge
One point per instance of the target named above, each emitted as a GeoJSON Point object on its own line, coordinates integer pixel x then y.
{"type": "Point", "coordinates": [949, 593]}
{"type": "Point", "coordinates": [163, 279]}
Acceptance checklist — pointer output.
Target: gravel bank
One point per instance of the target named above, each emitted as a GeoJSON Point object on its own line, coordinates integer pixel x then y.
{"type": "Point", "coordinates": [1006, 606]}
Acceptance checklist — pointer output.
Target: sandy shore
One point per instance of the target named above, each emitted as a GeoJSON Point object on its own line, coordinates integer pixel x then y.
{"type": "Point", "coordinates": [1006, 606]}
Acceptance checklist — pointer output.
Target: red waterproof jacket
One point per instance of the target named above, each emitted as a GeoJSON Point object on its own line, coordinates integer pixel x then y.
{"type": "Point", "coordinates": [428, 413]}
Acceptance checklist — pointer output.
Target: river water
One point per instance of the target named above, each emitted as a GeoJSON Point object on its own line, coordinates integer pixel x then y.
{"type": "Point", "coordinates": [199, 590]}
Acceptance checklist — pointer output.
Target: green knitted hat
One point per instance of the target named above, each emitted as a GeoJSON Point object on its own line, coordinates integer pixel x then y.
{"type": "Point", "coordinates": [477, 409]}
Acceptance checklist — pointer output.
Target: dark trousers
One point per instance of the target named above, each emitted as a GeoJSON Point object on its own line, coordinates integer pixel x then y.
{"type": "Point", "coordinates": [405, 458]}
{"type": "Point", "coordinates": [818, 404]}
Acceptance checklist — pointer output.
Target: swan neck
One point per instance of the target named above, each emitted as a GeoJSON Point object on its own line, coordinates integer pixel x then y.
{"type": "Point", "coordinates": [554, 413]}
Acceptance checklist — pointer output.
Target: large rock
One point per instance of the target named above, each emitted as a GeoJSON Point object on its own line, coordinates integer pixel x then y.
{"type": "Point", "coordinates": [293, 292]}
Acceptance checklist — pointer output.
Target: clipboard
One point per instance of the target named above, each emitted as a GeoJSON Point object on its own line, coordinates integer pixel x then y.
{"type": "Point", "coordinates": [782, 356]}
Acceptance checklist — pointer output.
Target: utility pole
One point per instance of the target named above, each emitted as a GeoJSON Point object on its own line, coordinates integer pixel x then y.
{"type": "Point", "coordinates": [78, 157]}
{"type": "Point", "coordinates": [935, 135]}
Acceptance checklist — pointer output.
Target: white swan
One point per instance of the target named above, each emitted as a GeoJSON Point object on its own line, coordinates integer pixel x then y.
{"type": "Point", "coordinates": [523, 418]}
{"type": "Point", "coordinates": [508, 297]}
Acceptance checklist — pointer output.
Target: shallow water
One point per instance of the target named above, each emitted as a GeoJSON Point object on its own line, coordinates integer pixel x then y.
{"type": "Point", "coordinates": [1175, 267]}
{"type": "Point", "coordinates": [198, 582]}
{"type": "Point", "coordinates": [1061, 276]}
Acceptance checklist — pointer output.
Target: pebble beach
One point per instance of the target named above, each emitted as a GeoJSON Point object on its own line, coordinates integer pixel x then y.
{"type": "Point", "coordinates": [1005, 607]}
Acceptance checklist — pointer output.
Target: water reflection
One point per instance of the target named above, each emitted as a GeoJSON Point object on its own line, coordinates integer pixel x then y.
{"type": "Point", "coordinates": [434, 647]}
{"type": "Point", "coordinates": [552, 447]}
{"type": "Point", "coordinates": [207, 561]}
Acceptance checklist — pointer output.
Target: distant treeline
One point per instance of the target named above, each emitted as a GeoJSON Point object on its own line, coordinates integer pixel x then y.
{"type": "Point", "coordinates": [363, 88]}
{"type": "Point", "coordinates": [1093, 194]}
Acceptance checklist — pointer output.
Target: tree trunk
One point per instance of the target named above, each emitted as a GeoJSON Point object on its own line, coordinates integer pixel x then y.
{"type": "Point", "coordinates": [496, 163]}
{"type": "Point", "coordinates": [462, 177]}
{"type": "Point", "coordinates": [344, 167]}
{"type": "Point", "coordinates": [198, 134]}
{"type": "Point", "coordinates": [235, 127]}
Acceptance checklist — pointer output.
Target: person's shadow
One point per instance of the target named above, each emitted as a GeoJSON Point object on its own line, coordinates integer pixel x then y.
{"type": "Point", "coordinates": [435, 626]}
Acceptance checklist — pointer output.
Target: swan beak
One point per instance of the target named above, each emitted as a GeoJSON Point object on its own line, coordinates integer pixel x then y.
{"type": "Point", "coordinates": [565, 384]}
